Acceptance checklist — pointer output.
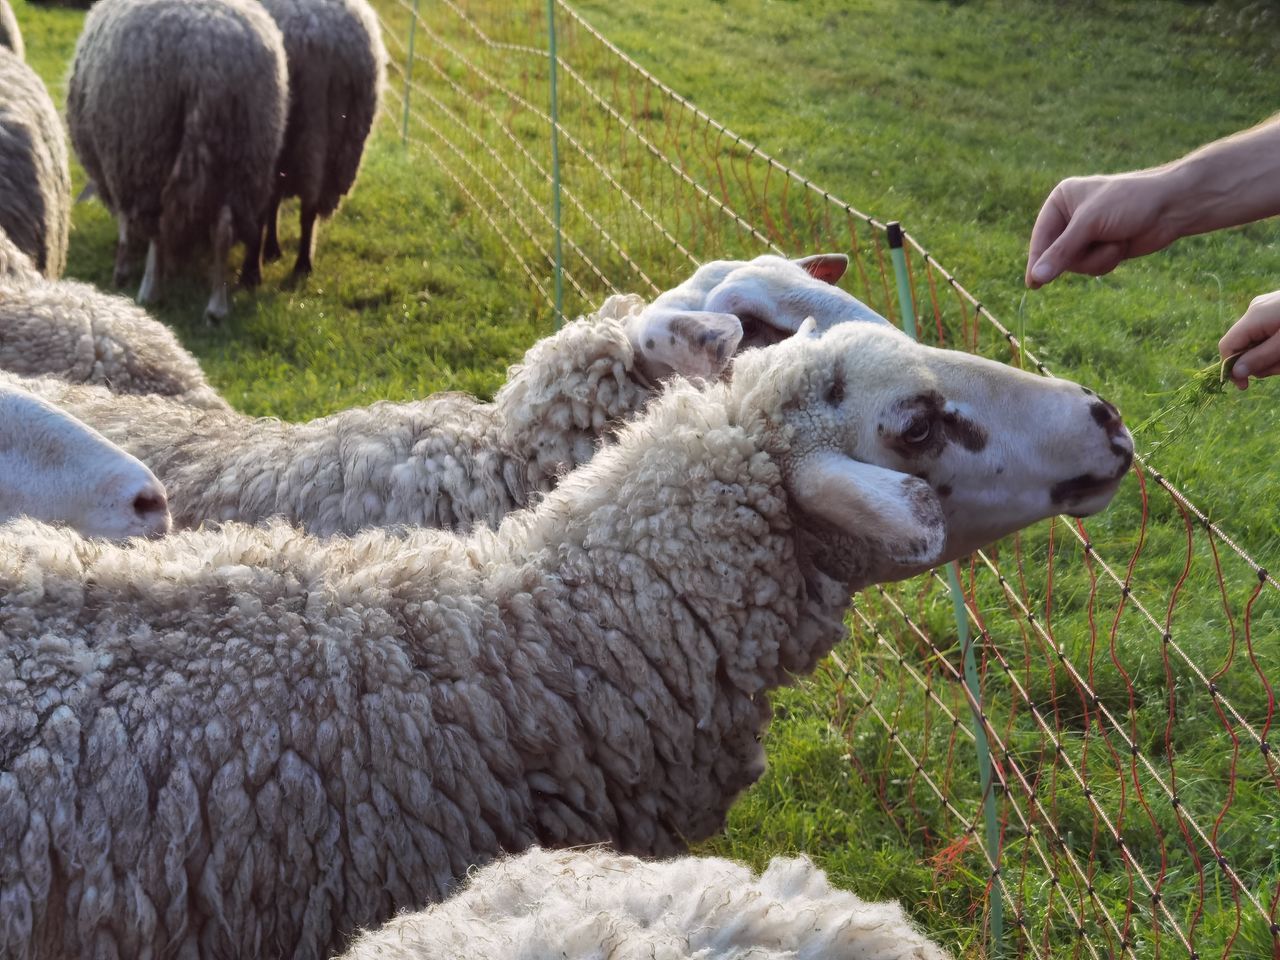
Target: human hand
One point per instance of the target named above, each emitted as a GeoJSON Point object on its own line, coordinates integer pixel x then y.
{"type": "Point", "coordinates": [1089, 224]}
{"type": "Point", "coordinates": [1254, 337]}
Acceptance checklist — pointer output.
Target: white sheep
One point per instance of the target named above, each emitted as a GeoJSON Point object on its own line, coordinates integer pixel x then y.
{"type": "Point", "coordinates": [56, 469]}
{"type": "Point", "coordinates": [177, 111]}
{"type": "Point", "coordinates": [77, 333]}
{"type": "Point", "coordinates": [336, 72]}
{"type": "Point", "coordinates": [10, 33]}
{"type": "Point", "coordinates": [449, 460]}
{"type": "Point", "coordinates": [35, 183]}
{"type": "Point", "coordinates": [247, 741]}
{"type": "Point", "coordinates": [593, 904]}
{"type": "Point", "coordinates": [15, 265]}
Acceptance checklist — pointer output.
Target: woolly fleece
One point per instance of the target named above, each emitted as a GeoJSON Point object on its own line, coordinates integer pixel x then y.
{"type": "Point", "coordinates": [10, 33]}
{"type": "Point", "coordinates": [14, 264]}
{"type": "Point", "coordinates": [35, 202]}
{"type": "Point", "coordinates": [177, 107]}
{"type": "Point", "coordinates": [597, 905]}
{"type": "Point", "coordinates": [251, 742]}
{"type": "Point", "coordinates": [77, 333]}
{"type": "Point", "coordinates": [336, 72]}
{"type": "Point", "coordinates": [446, 461]}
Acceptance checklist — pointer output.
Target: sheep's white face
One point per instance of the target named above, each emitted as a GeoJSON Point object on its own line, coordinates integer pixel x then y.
{"type": "Point", "coordinates": [732, 305]}
{"type": "Point", "coordinates": [923, 455]}
{"type": "Point", "coordinates": [57, 469]}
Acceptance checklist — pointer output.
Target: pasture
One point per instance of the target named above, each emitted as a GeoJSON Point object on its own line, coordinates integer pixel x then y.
{"type": "Point", "coordinates": [956, 119]}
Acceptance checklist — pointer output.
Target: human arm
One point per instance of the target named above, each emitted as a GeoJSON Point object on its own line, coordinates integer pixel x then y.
{"type": "Point", "coordinates": [1255, 338]}
{"type": "Point", "coordinates": [1090, 224]}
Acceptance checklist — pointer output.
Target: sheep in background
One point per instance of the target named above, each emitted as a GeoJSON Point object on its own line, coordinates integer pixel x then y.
{"type": "Point", "coordinates": [10, 33]}
{"type": "Point", "coordinates": [77, 333]}
{"type": "Point", "coordinates": [15, 266]}
{"type": "Point", "coordinates": [588, 904]}
{"type": "Point", "coordinates": [56, 469]}
{"type": "Point", "coordinates": [450, 461]}
{"type": "Point", "coordinates": [336, 67]}
{"type": "Point", "coordinates": [379, 713]}
{"type": "Point", "coordinates": [35, 185]}
{"type": "Point", "coordinates": [177, 111]}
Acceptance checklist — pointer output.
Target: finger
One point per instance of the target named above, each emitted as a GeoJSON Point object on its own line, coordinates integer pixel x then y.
{"type": "Point", "coordinates": [1075, 237]}
{"type": "Point", "coordinates": [1099, 259]}
{"type": "Point", "coordinates": [1262, 357]}
{"type": "Point", "coordinates": [1049, 224]}
{"type": "Point", "coordinates": [1259, 322]}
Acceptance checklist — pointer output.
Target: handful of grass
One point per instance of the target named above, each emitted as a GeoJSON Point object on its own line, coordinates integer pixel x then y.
{"type": "Point", "coordinates": [1187, 402]}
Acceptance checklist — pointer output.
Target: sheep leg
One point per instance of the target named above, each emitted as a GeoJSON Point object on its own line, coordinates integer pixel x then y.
{"type": "Point", "coordinates": [124, 254]}
{"type": "Point", "coordinates": [149, 289]}
{"type": "Point", "coordinates": [306, 241]}
{"type": "Point", "coordinates": [251, 268]}
{"type": "Point", "coordinates": [272, 252]}
{"type": "Point", "coordinates": [223, 236]}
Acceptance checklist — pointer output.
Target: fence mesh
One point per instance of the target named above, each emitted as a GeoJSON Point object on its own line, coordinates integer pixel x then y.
{"type": "Point", "coordinates": [1126, 666]}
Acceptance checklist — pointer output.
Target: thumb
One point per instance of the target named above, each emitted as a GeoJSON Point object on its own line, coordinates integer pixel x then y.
{"type": "Point", "coordinates": [1063, 253]}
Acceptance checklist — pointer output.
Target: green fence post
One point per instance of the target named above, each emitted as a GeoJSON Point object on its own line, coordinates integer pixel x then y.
{"type": "Point", "coordinates": [408, 72]}
{"type": "Point", "coordinates": [908, 311]}
{"type": "Point", "coordinates": [555, 164]}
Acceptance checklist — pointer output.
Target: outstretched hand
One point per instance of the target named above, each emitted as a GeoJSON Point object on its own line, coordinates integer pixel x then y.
{"type": "Point", "coordinates": [1256, 336]}
{"type": "Point", "coordinates": [1090, 224]}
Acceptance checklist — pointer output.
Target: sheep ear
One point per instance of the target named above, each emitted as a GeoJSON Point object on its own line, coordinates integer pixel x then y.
{"type": "Point", "coordinates": [827, 267]}
{"type": "Point", "coordinates": [692, 343]}
{"type": "Point", "coordinates": [898, 513]}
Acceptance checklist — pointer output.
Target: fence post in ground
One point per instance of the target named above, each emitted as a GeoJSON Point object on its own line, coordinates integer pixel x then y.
{"type": "Point", "coordinates": [907, 309]}
{"type": "Point", "coordinates": [555, 163]}
{"type": "Point", "coordinates": [408, 72]}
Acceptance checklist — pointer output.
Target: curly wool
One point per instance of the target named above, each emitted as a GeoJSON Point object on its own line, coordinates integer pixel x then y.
{"type": "Point", "coordinates": [15, 265]}
{"type": "Point", "coordinates": [10, 33]}
{"type": "Point", "coordinates": [381, 713]}
{"type": "Point", "coordinates": [77, 333]}
{"type": "Point", "coordinates": [336, 72]}
{"type": "Point", "coordinates": [213, 70]}
{"type": "Point", "coordinates": [446, 461]}
{"type": "Point", "coordinates": [35, 202]}
{"type": "Point", "coordinates": [594, 904]}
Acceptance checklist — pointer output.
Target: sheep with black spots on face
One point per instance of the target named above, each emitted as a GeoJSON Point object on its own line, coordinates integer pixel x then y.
{"type": "Point", "coordinates": [35, 184]}
{"type": "Point", "coordinates": [336, 73]}
{"type": "Point", "coordinates": [56, 469]}
{"type": "Point", "coordinates": [381, 712]}
{"type": "Point", "coordinates": [77, 333]}
{"type": "Point", "coordinates": [177, 111]}
{"type": "Point", "coordinates": [589, 904]}
{"type": "Point", "coordinates": [449, 460]}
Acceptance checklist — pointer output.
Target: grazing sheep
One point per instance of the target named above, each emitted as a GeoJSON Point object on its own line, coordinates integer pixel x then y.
{"type": "Point", "coordinates": [580, 904]}
{"type": "Point", "coordinates": [56, 469]}
{"type": "Point", "coordinates": [10, 34]}
{"type": "Point", "coordinates": [15, 265]}
{"type": "Point", "coordinates": [247, 741]}
{"type": "Point", "coordinates": [336, 67]}
{"type": "Point", "coordinates": [35, 185]}
{"type": "Point", "coordinates": [75, 332]}
{"type": "Point", "coordinates": [177, 111]}
{"type": "Point", "coordinates": [450, 461]}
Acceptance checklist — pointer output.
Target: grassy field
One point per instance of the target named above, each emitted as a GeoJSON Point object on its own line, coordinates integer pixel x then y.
{"type": "Point", "coordinates": [957, 119]}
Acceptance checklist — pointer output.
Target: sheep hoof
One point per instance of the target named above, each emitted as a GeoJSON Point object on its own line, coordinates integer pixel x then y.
{"type": "Point", "coordinates": [272, 252]}
{"type": "Point", "coordinates": [250, 279]}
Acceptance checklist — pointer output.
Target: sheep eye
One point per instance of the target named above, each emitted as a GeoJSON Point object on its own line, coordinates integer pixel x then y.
{"type": "Point", "coordinates": [917, 432]}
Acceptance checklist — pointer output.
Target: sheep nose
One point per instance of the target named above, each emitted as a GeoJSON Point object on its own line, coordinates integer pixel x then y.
{"type": "Point", "coordinates": [150, 508]}
{"type": "Point", "coordinates": [1108, 418]}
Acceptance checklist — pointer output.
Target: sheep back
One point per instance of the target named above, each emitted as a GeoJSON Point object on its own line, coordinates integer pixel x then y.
{"type": "Point", "coordinates": [336, 71]}
{"type": "Point", "coordinates": [35, 184]}
{"type": "Point", "coordinates": [177, 107]}
{"type": "Point", "coordinates": [10, 34]}
{"type": "Point", "coordinates": [77, 333]}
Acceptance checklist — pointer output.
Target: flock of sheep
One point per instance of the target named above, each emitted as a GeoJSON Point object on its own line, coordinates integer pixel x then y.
{"type": "Point", "coordinates": [387, 647]}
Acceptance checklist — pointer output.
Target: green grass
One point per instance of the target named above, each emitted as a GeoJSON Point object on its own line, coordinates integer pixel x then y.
{"type": "Point", "coordinates": [957, 119]}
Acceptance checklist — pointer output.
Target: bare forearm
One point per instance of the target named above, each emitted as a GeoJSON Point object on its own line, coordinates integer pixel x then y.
{"type": "Point", "coordinates": [1228, 182]}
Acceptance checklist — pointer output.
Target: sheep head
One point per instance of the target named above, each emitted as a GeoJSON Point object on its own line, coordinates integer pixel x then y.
{"type": "Point", "coordinates": [913, 456]}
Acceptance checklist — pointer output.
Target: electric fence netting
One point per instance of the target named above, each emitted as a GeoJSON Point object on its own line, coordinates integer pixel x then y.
{"type": "Point", "coordinates": [1102, 651]}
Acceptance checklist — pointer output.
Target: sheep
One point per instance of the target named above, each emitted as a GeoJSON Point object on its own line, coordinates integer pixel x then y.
{"type": "Point", "coordinates": [177, 111]}
{"type": "Point", "coordinates": [247, 741]}
{"type": "Point", "coordinates": [35, 183]}
{"type": "Point", "coordinates": [54, 468]}
{"type": "Point", "coordinates": [336, 72]}
{"type": "Point", "coordinates": [549, 905]}
{"type": "Point", "coordinates": [77, 333]}
{"type": "Point", "coordinates": [450, 461]}
{"type": "Point", "coordinates": [14, 264]}
{"type": "Point", "coordinates": [10, 34]}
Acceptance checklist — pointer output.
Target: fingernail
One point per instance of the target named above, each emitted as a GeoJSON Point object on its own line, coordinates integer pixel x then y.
{"type": "Point", "coordinates": [1240, 371]}
{"type": "Point", "coordinates": [1043, 271]}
